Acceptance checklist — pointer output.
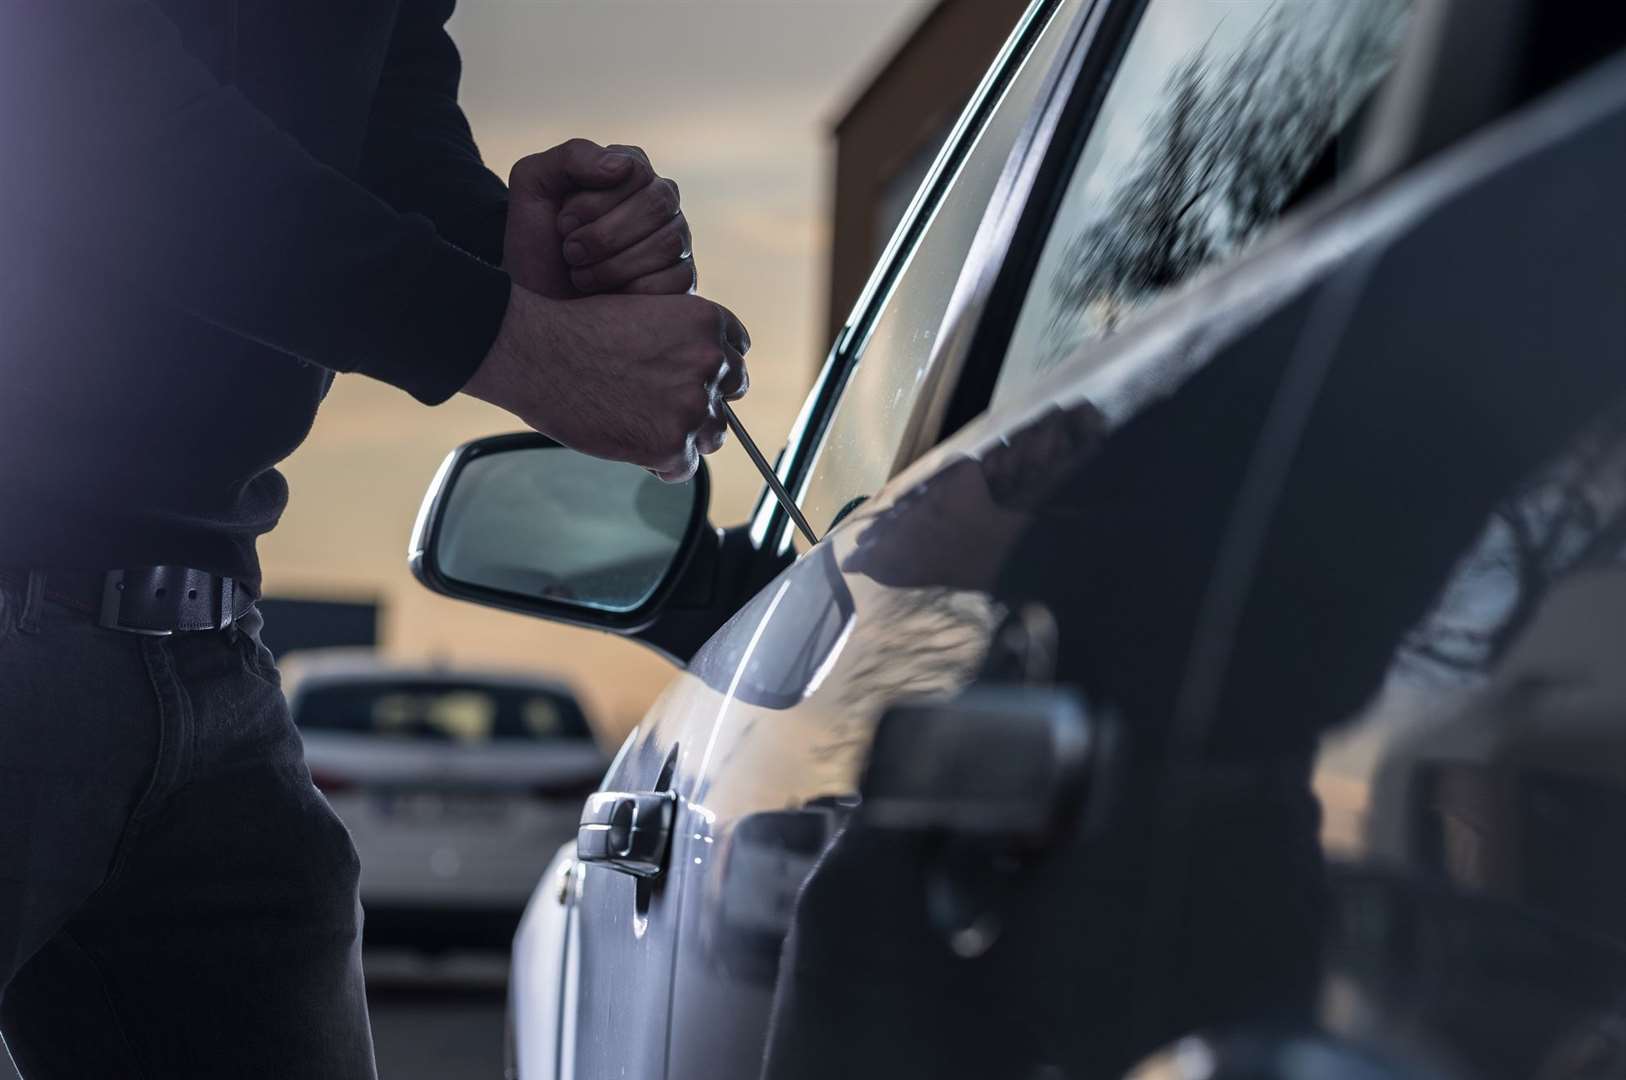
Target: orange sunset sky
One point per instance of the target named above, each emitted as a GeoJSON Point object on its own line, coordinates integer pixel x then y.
{"type": "Point", "coordinates": [733, 99]}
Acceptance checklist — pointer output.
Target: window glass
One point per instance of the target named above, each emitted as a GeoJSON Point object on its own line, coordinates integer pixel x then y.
{"type": "Point", "coordinates": [858, 450]}
{"type": "Point", "coordinates": [1221, 115]}
{"type": "Point", "coordinates": [447, 712]}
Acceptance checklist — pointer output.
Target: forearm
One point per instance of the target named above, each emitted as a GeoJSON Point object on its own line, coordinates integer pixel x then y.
{"type": "Point", "coordinates": [421, 155]}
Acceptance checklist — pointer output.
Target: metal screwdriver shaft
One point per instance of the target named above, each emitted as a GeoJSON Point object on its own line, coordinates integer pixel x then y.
{"type": "Point", "coordinates": [768, 474]}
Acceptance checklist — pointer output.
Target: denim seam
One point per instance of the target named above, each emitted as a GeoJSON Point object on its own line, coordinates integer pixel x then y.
{"type": "Point", "coordinates": [132, 1058]}
{"type": "Point", "coordinates": [149, 794]}
{"type": "Point", "coordinates": [179, 730]}
{"type": "Point", "coordinates": [33, 599]}
{"type": "Point", "coordinates": [248, 655]}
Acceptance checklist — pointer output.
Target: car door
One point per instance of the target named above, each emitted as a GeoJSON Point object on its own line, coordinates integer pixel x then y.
{"type": "Point", "coordinates": [625, 932]}
{"type": "Point", "coordinates": [899, 600]}
{"type": "Point", "coordinates": [1291, 458]}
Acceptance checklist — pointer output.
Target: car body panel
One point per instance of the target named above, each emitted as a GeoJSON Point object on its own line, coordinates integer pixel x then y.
{"type": "Point", "coordinates": [536, 982]}
{"type": "Point", "coordinates": [798, 679]}
{"type": "Point", "coordinates": [767, 731]}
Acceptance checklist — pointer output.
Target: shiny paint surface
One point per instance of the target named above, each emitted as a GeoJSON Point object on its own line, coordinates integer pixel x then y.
{"type": "Point", "coordinates": [1472, 830]}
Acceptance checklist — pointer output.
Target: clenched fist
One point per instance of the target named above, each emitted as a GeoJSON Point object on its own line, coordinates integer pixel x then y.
{"type": "Point", "coordinates": [630, 378]}
{"type": "Point", "coordinates": [585, 219]}
{"type": "Point", "coordinates": [603, 347]}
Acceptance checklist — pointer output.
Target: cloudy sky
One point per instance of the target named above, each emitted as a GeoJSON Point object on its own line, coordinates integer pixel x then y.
{"type": "Point", "coordinates": [732, 98]}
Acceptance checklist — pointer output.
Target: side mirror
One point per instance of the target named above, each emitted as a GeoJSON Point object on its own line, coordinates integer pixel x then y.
{"type": "Point", "coordinates": [522, 523]}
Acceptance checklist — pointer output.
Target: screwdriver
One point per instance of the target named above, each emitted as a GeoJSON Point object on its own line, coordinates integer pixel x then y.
{"type": "Point", "coordinates": [767, 472]}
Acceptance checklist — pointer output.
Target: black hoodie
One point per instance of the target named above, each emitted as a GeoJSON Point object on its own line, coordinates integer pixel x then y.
{"type": "Point", "coordinates": [208, 207]}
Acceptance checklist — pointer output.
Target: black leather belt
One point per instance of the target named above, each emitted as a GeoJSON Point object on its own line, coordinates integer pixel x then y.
{"type": "Point", "coordinates": [154, 600]}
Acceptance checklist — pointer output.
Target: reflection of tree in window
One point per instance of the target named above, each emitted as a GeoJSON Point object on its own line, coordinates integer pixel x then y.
{"type": "Point", "coordinates": [1230, 144]}
{"type": "Point", "coordinates": [1569, 517]}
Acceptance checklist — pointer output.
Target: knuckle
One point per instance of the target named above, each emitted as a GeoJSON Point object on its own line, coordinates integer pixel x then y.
{"type": "Point", "coordinates": [664, 199]}
{"type": "Point", "coordinates": [674, 244]}
{"type": "Point", "coordinates": [524, 169]}
{"type": "Point", "coordinates": [694, 406]}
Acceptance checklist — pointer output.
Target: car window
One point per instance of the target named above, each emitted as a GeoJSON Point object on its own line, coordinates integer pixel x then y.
{"type": "Point", "coordinates": [857, 451]}
{"type": "Point", "coordinates": [451, 712]}
{"type": "Point", "coordinates": [1220, 116]}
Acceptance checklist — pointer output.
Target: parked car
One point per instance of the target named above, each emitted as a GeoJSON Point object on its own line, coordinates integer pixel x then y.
{"type": "Point", "coordinates": [1221, 490]}
{"type": "Point", "coordinates": [456, 787]}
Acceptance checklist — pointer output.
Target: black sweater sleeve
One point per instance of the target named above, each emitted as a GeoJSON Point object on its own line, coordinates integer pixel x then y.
{"type": "Point", "coordinates": [421, 156]}
{"type": "Point", "coordinates": [126, 150]}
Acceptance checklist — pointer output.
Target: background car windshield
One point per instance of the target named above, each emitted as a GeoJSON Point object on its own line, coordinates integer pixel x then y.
{"type": "Point", "coordinates": [1220, 117]}
{"type": "Point", "coordinates": [859, 449]}
{"type": "Point", "coordinates": [461, 713]}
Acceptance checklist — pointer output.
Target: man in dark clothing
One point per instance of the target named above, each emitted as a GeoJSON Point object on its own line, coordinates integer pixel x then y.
{"type": "Point", "coordinates": [211, 206]}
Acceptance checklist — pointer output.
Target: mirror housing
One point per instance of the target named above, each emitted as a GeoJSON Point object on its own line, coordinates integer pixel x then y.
{"type": "Point", "coordinates": [711, 573]}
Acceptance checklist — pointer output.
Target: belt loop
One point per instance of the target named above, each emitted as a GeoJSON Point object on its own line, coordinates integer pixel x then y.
{"type": "Point", "coordinates": [33, 600]}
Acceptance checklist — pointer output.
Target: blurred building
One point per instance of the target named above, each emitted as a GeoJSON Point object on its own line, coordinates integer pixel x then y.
{"type": "Point", "coordinates": [295, 624]}
{"type": "Point", "coordinates": [889, 135]}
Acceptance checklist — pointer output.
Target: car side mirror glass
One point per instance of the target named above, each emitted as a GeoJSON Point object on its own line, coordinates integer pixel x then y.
{"type": "Point", "coordinates": [519, 522]}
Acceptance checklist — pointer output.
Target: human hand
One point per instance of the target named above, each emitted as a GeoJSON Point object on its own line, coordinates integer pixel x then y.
{"type": "Point", "coordinates": [586, 219]}
{"type": "Point", "coordinates": [632, 238]}
{"type": "Point", "coordinates": [629, 378]}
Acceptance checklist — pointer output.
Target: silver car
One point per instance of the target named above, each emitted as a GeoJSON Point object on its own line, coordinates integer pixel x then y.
{"type": "Point", "coordinates": [456, 787]}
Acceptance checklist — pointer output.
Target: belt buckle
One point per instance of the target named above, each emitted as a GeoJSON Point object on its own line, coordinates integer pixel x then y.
{"type": "Point", "coordinates": [113, 608]}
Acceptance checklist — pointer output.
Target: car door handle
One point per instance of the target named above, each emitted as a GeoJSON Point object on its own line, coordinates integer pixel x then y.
{"type": "Point", "coordinates": [627, 831]}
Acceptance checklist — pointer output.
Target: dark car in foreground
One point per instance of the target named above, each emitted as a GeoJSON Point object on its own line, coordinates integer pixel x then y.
{"type": "Point", "coordinates": [1209, 643]}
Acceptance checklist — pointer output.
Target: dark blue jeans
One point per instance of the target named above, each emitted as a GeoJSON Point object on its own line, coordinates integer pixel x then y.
{"type": "Point", "coordinates": [176, 898]}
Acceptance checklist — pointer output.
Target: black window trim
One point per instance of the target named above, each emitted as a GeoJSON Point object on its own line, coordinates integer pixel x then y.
{"type": "Point", "coordinates": [770, 526]}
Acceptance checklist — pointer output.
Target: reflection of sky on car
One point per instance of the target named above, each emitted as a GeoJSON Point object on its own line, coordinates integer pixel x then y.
{"type": "Point", "coordinates": [1500, 618]}
{"type": "Point", "coordinates": [800, 675]}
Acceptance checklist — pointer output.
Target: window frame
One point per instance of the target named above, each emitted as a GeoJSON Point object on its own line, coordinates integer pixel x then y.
{"type": "Point", "coordinates": [770, 525]}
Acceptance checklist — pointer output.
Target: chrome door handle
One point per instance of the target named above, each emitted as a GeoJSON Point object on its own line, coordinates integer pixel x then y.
{"type": "Point", "coordinates": [627, 831]}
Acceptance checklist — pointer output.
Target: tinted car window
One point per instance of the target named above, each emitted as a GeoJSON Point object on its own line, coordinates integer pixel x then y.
{"type": "Point", "coordinates": [859, 447]}
{"type": "Point", "coordinates": [454, 712]}
{"type": "Point", "coordinates": [1219, 117]}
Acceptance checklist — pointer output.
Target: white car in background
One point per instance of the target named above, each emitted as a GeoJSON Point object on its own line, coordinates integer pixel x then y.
{"type": "Point", "coordinates": [457, 788]}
